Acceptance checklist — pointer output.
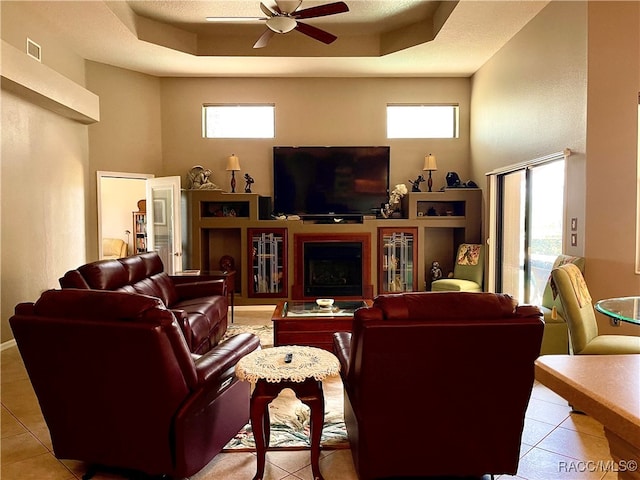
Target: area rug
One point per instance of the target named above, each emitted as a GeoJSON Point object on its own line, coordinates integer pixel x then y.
{"type": "Point", "coordinates": [290, 422]}
{"type": "Point", "coordinates": [264, 333]}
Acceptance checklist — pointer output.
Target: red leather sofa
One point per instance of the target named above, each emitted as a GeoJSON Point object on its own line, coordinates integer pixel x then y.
{"type": "Point", "coordinates": [200, 306]}
{"type": "Point", "coordinates": [119, 388]}
{"type": "Point", "coordinates": [437, 383]}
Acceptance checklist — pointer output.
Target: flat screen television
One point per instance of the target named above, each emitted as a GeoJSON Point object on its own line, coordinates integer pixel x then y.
{"type": "Point", "coordinates": [330, 180]}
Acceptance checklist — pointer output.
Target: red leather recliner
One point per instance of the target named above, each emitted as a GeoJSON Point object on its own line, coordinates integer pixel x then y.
{"type": "Point", "coordinates": [437, 383]}
{"type": "Point", "coordinates": [118, 386]}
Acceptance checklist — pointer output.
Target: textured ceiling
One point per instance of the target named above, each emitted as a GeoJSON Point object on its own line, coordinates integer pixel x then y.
{"type": "Point", "coordinates": [375, 38]}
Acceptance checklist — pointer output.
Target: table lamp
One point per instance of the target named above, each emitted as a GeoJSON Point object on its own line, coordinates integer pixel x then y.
{"type": "Point", "coordinates": [233, 165]}
{"type": "Point", "coordinates": [430, 165]}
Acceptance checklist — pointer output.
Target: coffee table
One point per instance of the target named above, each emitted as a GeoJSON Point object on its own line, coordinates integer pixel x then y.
{"type": "Point", "coordinates": [305, 323]}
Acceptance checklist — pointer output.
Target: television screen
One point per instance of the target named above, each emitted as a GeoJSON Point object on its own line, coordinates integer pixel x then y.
{"type": "Point", "coordinates": [330, 180]}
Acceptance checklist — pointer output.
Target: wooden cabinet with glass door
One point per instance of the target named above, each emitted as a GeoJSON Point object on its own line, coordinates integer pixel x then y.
{"type": "Point", "coordinates": [267, 262]}
{"type": "Point", "coordinates": [398, 252]}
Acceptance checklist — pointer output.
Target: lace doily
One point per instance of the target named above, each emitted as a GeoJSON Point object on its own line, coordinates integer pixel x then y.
{"type": "Point", "coordinates": [269, 365]}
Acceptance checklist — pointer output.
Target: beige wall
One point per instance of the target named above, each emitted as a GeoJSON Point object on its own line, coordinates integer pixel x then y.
{"type": "Point", "coordinates": [612, 136]}
{"type": "Point", "coordinates": [128, 137]}
{"type": "Point", "coordinates": [44, 175]}
{"type": "Point", "coordinates": [317, 111]}
{"type": "Point", "coordinates": [530, 100]}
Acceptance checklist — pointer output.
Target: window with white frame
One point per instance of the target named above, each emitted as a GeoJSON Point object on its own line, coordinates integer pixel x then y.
{"type": "Point", "coordinates": [422, 121]}
{"type": "Point", "coordinates": [238, 121]}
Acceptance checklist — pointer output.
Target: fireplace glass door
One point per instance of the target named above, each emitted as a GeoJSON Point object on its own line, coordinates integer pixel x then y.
{"type": "Point", "coordinates": [398, 251]}
{"type": "Point", "coordinates": [268, 255]}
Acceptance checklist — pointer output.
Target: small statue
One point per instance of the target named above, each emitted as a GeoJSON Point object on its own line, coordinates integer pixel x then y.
{"type": "Point", "coordinates": [249, 180]}
{"type": "Point", "coordinates": [198, 179]}
{"type": "Point", "coordinates": [436, 271]}
{"type": "Point", "coordinates": [415, 185]}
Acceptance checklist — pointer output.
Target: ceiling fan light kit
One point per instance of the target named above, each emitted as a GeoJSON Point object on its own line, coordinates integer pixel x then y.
{"type": "Point", "coordinates": [284, 17]}
{"type": "Point", "coordinates": [281, 24]}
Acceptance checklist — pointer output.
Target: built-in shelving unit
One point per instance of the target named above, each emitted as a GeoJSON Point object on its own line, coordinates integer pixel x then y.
{"type": "Point", "coordinates": [267, 260]}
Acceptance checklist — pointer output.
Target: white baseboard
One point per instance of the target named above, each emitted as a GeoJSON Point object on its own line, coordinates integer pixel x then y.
{"type": "Point", "coordinates": [8, 344]}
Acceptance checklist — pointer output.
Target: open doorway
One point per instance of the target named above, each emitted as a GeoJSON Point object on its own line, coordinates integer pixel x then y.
{"type": "Point", "coordinates": [118, 197]}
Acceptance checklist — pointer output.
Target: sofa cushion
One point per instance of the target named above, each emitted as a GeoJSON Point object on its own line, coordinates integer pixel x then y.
{"type": "Point", "coordinates": [146, 286]}
{"type": "Point", "coordinates": [207, 317]}
{"type": "Point", "coordinates": [104, 274]}
{"type": "Point", "coordinates": [438, 305]}
{"type": "Point", "coordinates": [135, 267]}
{"type": "Point", "coordinates": [168, 293]}
{"type": "Point", "coordinates": [95, 304]}
{"type": "Point", "coordinates": [152, 262]}
{"type": "Point", "coordinates": [73, 279]}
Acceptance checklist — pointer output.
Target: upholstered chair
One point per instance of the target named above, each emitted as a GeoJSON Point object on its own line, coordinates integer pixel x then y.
{"type": "Point", "coordinates": [114, 248]}
{"type": "Point", "coordinates": [468, 271]}
{"type": "Point", "coordinates": [436, 384]}
{"type": "Point", "coordinates": [577, 310]}
{"type": "Point", "coordinates": [555, 340]}
{"type": "Point", "coordinates": [119, 388]}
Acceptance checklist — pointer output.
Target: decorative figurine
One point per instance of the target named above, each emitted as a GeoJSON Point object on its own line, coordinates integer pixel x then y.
{"type": "Point", "coordinates": [415, 185]}
{"type": "Point", "coordinates": [436, 271]}
{"type": "Point", "coordinates": [198, 179]}
{"type": "Point", "coordinates": [249, 180]}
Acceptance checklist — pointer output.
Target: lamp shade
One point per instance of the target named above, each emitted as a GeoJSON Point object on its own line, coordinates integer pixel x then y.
{"type": "Point", "coordinates": [430, 163]}
{"type": "Point", "coordinates": [233, 163]}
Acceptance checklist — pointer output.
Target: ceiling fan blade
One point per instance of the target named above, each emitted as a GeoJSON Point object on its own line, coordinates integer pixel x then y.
{"type": "Point", "coordinates": [267, 11]}
{"type": "Point", "coordinates": [316, 33]}
{"type": "Point", "coordinates": [288, 6]}
{"type": "Point", "coordinates": [264, 39]}
{"type": "Point", "coordinates": [235, 19]}
{"type": "Point", "coordinates": [322, 10]}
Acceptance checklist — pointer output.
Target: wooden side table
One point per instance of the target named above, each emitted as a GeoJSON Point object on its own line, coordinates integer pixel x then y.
{"type": "Point", "coordinates": [270, 373]}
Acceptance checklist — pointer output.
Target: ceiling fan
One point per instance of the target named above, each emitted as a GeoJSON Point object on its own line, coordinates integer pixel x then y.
{"type": "Point", "coordinates": [284, 17]}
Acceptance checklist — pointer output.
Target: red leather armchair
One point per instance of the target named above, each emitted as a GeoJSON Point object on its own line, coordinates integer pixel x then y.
{"type": "Point", "coordinates": [118, 386]}
{"type": "Point", "coordinates": [437, 383]}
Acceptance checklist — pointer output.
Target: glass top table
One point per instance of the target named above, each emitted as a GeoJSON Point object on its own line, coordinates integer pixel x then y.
{"type": "Point", "coordinates": [621, 309]}
{"type": "Point", "coordinates": [340, 308]}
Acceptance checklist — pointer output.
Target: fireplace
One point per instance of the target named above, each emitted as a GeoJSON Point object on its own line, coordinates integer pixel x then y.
{"type": "Point", "coordinates": [333, 266]}
{"type": "Point", "coordinates": [332, 269]}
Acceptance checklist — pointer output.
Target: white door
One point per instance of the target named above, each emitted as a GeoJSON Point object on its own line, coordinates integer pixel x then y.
{"type": "Point", "coordinates": [164, 222]}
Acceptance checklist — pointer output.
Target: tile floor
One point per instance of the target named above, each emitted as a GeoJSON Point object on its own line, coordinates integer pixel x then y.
{"type": "Point", "coordinates": [556, 443]}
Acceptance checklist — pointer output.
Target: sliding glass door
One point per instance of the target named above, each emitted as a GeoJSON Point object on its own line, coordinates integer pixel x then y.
{"type": "Point", "coordinates": [530, 217]}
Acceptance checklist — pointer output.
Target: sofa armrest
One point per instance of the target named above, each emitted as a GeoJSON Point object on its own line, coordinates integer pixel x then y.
{"type": "Point", "coordinates": [185, 326]}
{"type": "Point", "coordinates": [187, 288]}
{"type": "Point", "coordinates": [225, 355]}
{"type": "Point", "coordinates": [342, 350]}
{"type": "Point", "coordinates": [529, 311]}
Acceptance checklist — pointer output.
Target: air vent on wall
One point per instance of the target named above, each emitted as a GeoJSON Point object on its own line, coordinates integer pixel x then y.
{"type": "Point", "coordinates": [34, 50]}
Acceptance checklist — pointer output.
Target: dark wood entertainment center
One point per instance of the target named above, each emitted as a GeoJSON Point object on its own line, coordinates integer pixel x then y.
{"type": "Point", "coordinates": [396, 253]}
